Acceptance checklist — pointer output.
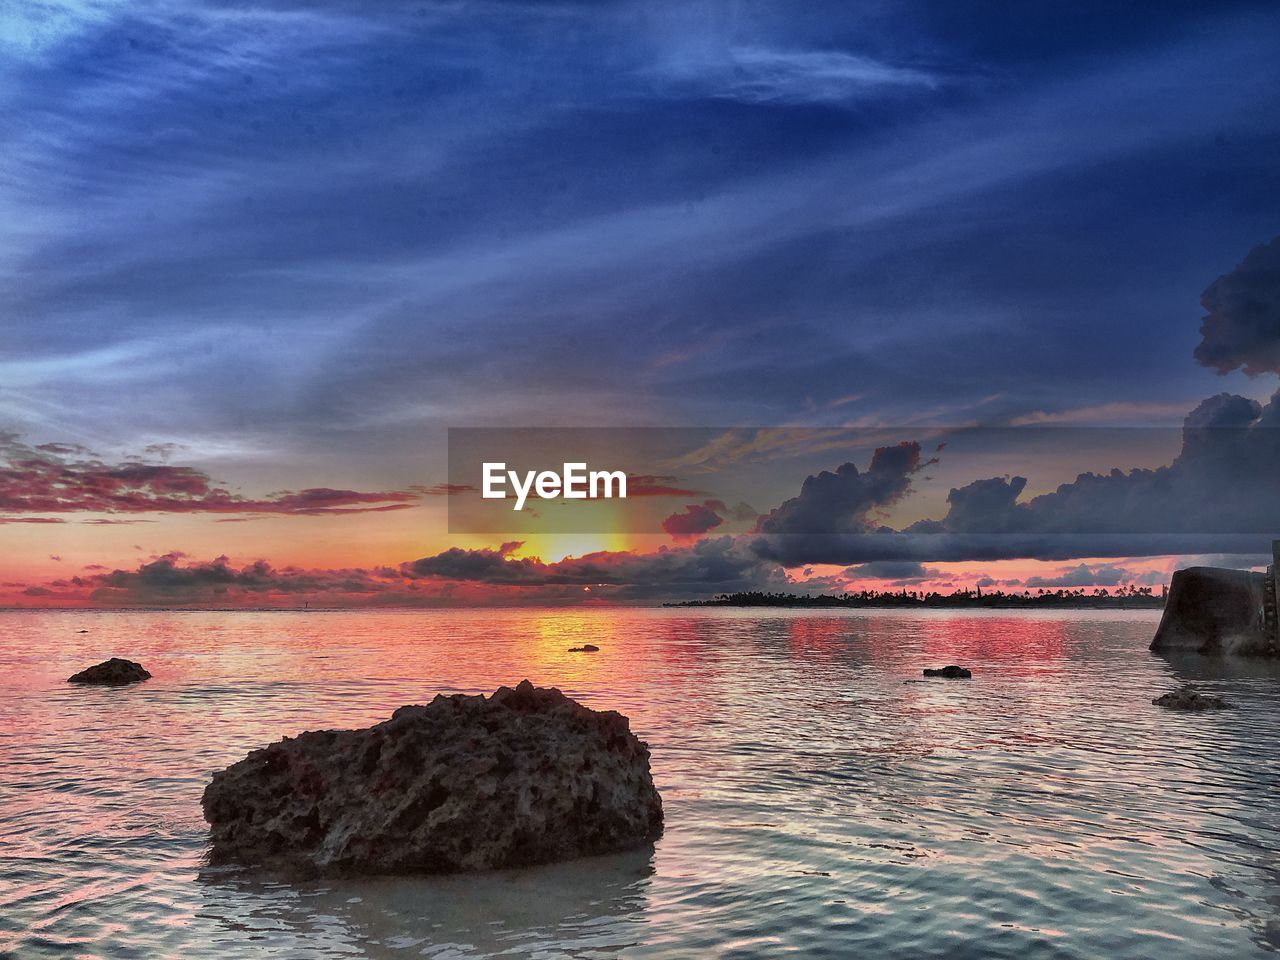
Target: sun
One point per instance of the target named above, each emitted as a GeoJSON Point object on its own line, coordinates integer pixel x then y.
{"type": "Point", "coordinates": [557, 546]}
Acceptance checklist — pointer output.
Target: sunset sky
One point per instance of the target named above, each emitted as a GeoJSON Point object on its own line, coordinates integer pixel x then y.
{"type": "Point", "coordinates": [258, 258]}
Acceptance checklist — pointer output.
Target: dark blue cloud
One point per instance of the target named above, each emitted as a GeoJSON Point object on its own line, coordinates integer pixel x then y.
{"type": "Point", "coordinates": [846, 501]}
{"type": "Point", "coordinates": [1218, 494]}
{"type": "Point", "coordinates": [1097, 575]}
{"type": "Point", "coordinates": [1242, 327]}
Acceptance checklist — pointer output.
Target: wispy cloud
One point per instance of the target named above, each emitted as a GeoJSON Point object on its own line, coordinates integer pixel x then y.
{"type": "Point", "coordinates": [763, 75]}
{"type": "Point", "coordinates": [56, 478]}
{"type": "Point", "coordinates": [1110, 414]}
{"type": "Point", "coordinates": [27, 30]}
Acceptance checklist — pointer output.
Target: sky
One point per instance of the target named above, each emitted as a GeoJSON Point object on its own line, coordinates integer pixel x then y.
{"type": "Point", "coordinates": [257, 258]}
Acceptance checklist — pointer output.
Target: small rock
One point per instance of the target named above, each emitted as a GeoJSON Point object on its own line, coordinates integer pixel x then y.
{"type": "Point", "coordinates": [1187, 697]}
{"type": "Point", "coordinates": [585, 648]}
{"type": "Point", "coordinates": [525, 776]}
{"type": "Point", "coordinates": [112, 673]}
{"type": "Point", "coordinates": [951, 673]}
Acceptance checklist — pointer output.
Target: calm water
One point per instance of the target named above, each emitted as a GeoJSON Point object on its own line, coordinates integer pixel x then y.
{"type": "Point", "coordinates": [817, 803]}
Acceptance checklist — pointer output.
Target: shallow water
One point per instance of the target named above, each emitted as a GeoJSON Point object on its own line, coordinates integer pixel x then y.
{"type": "Point", "coordinates": [820, 801]}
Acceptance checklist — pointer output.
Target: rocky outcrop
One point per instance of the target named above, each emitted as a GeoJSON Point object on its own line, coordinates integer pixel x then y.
{"type": "Point", "coordinates": [522, 777]}
{"type": "Point", "coordinates": [950, 673]}
{"type": "Point", "coordinates": [115, 672]}
{"type": "Point", "coordinates": [1214, 610]}
{"type": "Point", "coordinates": [585, 648]}
{"type": "Point", "coordinates": [1188, 698]}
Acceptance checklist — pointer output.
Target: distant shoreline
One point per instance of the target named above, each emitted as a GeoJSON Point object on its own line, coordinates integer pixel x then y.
{"type": "Point", "coordinates": [748, 600]}
{"type": "Point", "coordinates": [963, 600]}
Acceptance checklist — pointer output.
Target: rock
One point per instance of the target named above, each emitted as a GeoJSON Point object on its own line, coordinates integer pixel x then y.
{"type": "Point", "coordinates": [585, 648]}
{"type": "Point", "coordinates": [1187, 698]}
{"type": "Point", "coordinates": [525, 776]}
{"type": "Point", "coordinates": [951, 673]}
{"type": "Point", "coordinates": [112, 673]}
{"type": "Point", "coordinates": [1214, 610]}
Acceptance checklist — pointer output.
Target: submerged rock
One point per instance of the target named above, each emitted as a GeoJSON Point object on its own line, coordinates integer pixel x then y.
{"type": "Point", "coordinates": [115, 672]}
{"type": "Point", "coordinates": [1187, 698]}
{"type": "Point", "coordinates": [522, 777]}
{"type": "Point", "coordinates": [585, 648]}
{"type": "Point", "coordinates": [951, 673]}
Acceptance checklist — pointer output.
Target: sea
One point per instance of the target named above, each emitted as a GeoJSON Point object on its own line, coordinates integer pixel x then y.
{"type": "Point", "coordinates": [822, 798]}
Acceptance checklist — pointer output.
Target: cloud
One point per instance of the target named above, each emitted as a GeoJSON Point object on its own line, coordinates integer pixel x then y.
{"type": "Point", "coordinates": [797, 551]}
{"type": "Point", "coordinates": [1112, 413]}
{"type": "Point", "coordinates": [57, 478]}
{"type": "Point", "coordinates": [901, 572]}
{"type": "Point", "coordinates": [846, 501]}
{"type": "Point", "coordinates": [1097, 575]}
{"type": "Point", "coordinates": [731, 448]}
{"type": "Point", "coordinates": [443, 489]}
{"type": "Point", "coordinates": [984, 506]}
{"type": "Point", "coordinates": [708, 566]}
{"type": "Point", "coordinates": [1229, 444]}
{"type": "Point", "coordinates": [695, 520]}
{"type": "Point", "coordinates": [1219, 494]}
{"type": "Point", "coordinates": [654, 485]}
{"type": "Point", "coordinates": [1241, 328]}
{"type": "Point", "coordinates": [762, 75]}
{"type": "Point", "coordinates": [485, 576]}
{"type": "Point", "coordinates": [167, 580]}
{"type": "Point", "coordinates": [1223, 481]}
{"type": "Point", "coordinates": [483, 565]}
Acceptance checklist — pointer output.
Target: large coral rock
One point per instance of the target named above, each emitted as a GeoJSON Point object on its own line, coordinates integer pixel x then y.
{"type": "Point", "coordinates": [1214, 610]}
{"type": "Point", "coordinates": [524, 776]}
{"type": "Point", "coordinates": [115, 672]}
